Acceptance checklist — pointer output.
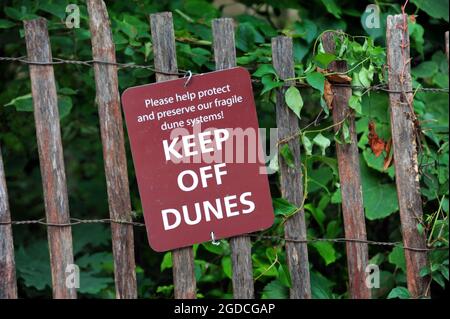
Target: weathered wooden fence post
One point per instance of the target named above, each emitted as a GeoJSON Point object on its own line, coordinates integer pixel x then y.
{"type": "Point", "coordinates": [291, 178]}
{"type": "Point", "coordinates": [350, 181]}
{"type": "Point", "coordinates": [165, 61]}
{"type": "Point", "coordinates": [241, 249]}
{"type": "Point", "coordinates": [404, 140]}
{"type": "Point", "coordinates": [111, 127]}
{"type": "Point", "coordinates": [8, 285]}
{"type": "Point", "coordinates": [48, 133]}
{"type": "Point", "coordinates": [446, 45]}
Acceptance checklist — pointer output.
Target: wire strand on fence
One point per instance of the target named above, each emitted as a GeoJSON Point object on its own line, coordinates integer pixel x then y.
{"type": "Point", "coordinates": [90, 63]}
{"type": "Point", "coordinates": [77, 221]}
{"type": "Point", "coordinates": [383, 87]}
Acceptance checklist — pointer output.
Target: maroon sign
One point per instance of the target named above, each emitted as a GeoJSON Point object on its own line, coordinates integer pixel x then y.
{"type": "Point", "coordinates": [198, 159]}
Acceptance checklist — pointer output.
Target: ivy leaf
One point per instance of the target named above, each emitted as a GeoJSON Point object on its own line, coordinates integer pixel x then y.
{"type": "Point", "coordinates": [326, 251]}
{"type": "Point", "coordinates": [269, 83]}
{"type": "Point", "coordinates": [91, 283]}
{"type": "Point", "coordinates": [425, 70]}
{"type": "Point", "coordinates": [399, 292]}
{"type": "Point", "coordinates": [316, 80]}
{"type": "Point", "coordinates": [355, 103]}
{"type": "Point", "coordinates": [332, 8]}
{"type": "Point", "coordinates": [307, 144]}
{"type": "Point", "coordinates": [436, 9]}
{"type": "Point", "coordinates": [324, 59]}
{"type": "Point", "coordinates": [380, 199]}
{"type": "Point", "coordinates": [320, 286]}
{"type": "Point", "coordinates": [5, 24]}
{"type": "Point", "coordinates": [282, 207]}
{"type": "Point", "coordinates": [294, 100]}
{"type": "Point", "coordinates": [287, 155]}
{"type": "Point", "coordinates": [22, 103]}
{"type": "Point", "coordinates": [397, 258]}
{"type": "Point", "coordinates": [166, 262]}
{"type": "Point", "coordinates": [64, 105]}
{"type": "Point", "coordinates": [226, 266]}
{"type": "Point", "coordinates": [322, 142]}
{"type": "Point", "coordinates": [364, 77]}
{"type": "Point", "coordinates": [265, 69]}
{"type": "Point", "coordinates": [275, 290]}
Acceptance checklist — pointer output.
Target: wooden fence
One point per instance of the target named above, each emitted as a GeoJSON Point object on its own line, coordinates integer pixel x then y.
{"type": "Point", "coordinates": [111, 126]}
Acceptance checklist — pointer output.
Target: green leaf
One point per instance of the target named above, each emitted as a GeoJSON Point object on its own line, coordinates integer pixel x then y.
{"type": "Point", "coordinates": [5, 24]}
{"type": "Point", "coordinates": [399, 292]}
{"type": "Point", "coordinates": [265, 69]}
{"type": "Point", "coordinates": [324, 59]}
{"type": "Point", "coordinates": [326, 250]}
{"type": "Point", "coordinates": [91, 283]}
{"type": "Point", "coordinates": [397, 258]}
{"type": "Point", "coordinates": [64, 105]}
{"type": "Point", "coordinates": [283, 207]}
{"type": "Point", "coordinates": [364, 77]}
{"type": "Point", "coordinates": [332, 8]}
{"type": "Point", "coordinates": [355, 103]}
{"type": "Point", "coordinates": [22, 103]}
{"type": "Point", "coordinates": [294, 100]}
{"type": "Point", "coordinates": [167, 261]}
{"type": "Point", "coordinates": [269, 83]}
{"type": "Point", "coordinates": [380, 199]}
{"type": "Point", "coordinates": [287, 155]}
{"type": "Point", "coordinates": [322, 142]}
{"type": "Point", "coordinates": [284, 275]}
{"type": "Point", "coordinates": [436, 9]}
{"type": "Point", "coordinates": [425, 69]}
{"type": "Point", "coordinates": [416, 32]}
{"type": "Point", "coordinates": [320, 286]}
{"type": "Point", "coordinates": [316, 80]}
{"type": "Point", "coordinates": [275, 290]}
{"type": "Point", "coordinates": [55, 9]}
{"type": "Point", "coordinates": [307, 144]}
{"type": "Point", "coordinates": [32, 265]}
{"type": "Point", "coordinates": [226, 266]}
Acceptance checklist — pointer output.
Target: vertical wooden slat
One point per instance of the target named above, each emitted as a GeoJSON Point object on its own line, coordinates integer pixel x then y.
{"type": "Point", "coordinates": [165, 60]}
{"type": "Point", "coordinates": [446, 45]}
{"type": "Point", "coordinates": [291, 177]}
{"type": "Point", "coordinates": [350, 181]}
{"type": "Point", "coordinates": [241, 258]}
{"type": "Point", "coordinates": [111, 128]}
{"type": "Point", "coordinates": [405, 151]}
{"type": "Point", "coordinates": [8, 285]}
{"type": "Point", "coordinates": [51, 159]}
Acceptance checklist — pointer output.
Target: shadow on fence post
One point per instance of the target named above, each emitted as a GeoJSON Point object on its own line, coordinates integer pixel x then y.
{"type": "Point", "coordinates": [350, 181]}
{"type": "Point", "coordinates": [8, 285]}
{"type": "Point", "coordinates": [404, 142]}
{"type": "Point", "coordinates": [107, 98]}
{"type": "Point", "coordinates": [291, 178]}
{"type": "Point", "coordinates": [165, 60]}
{"type": "Point", "coordinates": [48, 133]}
{"type": "Point", "coordinates": [241, 249]}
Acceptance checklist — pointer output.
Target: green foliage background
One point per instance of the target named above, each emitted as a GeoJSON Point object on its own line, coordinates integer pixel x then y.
{"type": "Point", "coordinates": [255, 28]}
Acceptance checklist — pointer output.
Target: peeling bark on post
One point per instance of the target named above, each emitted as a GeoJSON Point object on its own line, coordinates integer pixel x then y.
{"type": "Point", "coordinates": [111, 127]}
{"type": "Point", "coordinates": [405, 152]}
{"type": "Point", "coordinates": [241, 250]}
{"type": "Point", "coordinates": [8, 285]}
{"type": "Point", "coordinates": [165, 60]}
{"type": "Point", "coordinates": [51, 159]}
{"type": "Point", "coordinates": [291, 178]}
{"type": "Point", "coordinates": [350, 181]}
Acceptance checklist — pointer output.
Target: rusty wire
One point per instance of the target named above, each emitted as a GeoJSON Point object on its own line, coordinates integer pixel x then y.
{"type": "Point", "coordinates": [383, 87]}
{"type": "Point", "coordinates": [77, 221]}
{"type": "Point", "coordinates": [90, 63]}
